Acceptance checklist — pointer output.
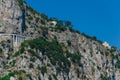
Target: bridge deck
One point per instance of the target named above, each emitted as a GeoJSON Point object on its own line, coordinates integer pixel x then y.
{"type": "Point", "coordinates": [16, 38]}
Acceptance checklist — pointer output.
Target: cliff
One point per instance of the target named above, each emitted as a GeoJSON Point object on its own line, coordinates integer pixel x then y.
{"type": "Point", "coordinates": [52, 50]}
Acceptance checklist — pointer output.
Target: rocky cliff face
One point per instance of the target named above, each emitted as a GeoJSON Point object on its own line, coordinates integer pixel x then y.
{"type": "Point", "coordinates": [10, 16]}
{"type": "Point", "coordinates": [52, 52]}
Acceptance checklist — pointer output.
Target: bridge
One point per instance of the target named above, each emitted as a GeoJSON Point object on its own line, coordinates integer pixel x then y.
{"type": "Point", "coordinates": [16, 38]}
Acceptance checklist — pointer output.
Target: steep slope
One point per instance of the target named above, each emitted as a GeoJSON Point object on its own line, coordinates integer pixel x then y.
{"type": "Point", "coordinates": [10, 16]}
{"type": "Point", "coordinates": [52, 51]}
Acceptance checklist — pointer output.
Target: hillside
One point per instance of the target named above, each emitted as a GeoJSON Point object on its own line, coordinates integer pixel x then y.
{"type": "Point", "coordinates": [53, 50]}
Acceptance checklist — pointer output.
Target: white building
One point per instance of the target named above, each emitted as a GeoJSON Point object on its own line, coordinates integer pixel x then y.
{"type": "Point", "coordinates": [53, 23]}
{"type": "Point", "coordinates": [105, 44]}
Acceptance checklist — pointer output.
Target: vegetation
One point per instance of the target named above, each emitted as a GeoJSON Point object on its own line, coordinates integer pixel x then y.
{"type": "Point", "coordinates": [69, 42]}
{"type": "Point", "coordinates": [43, 70]}
{"type": "Point", "coordinates": [1, 51]}
{"type": "Point", "coordinates": [60, 28]}
{"type": "Point", "coordinates": [32, 59]}
{"type": "Point", "coordinates": [13, 63]}
{"type": "Point", "coordinates": [104, 77]}
{"type": "Point", "coordinates": [75, 58]}
{"type": "Point", "coordinates": [20, 3]}
{"type": "Point", "coordinates": [92, 38]}
{"type": "Point", "coordinates": [7, 77]}
{"type": "Point", "coordinates": [49, 78]}
{"type": "Point", "coordinates": [52, 49]}
{"type": "Point", "coordinates": [55, 77]}
{"type": "Point", "coordinates": [32, 10]}
{"type": "Point", "coordinates": [117, 65]}
{"type": "Point", "coordinates": [31, 65]}
{"type": "Point", "coordinates": [113, 49]}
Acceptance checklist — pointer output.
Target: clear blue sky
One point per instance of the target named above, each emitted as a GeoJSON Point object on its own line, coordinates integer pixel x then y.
{"type": "Point", "coordinates": [93, 17]}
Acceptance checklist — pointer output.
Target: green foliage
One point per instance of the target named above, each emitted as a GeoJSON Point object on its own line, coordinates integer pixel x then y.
{"type": "Point", "coordinates": [60, 28]}
{"type": "Point", "coordinates": [31, 65]}
{"type": "Point", "coordinates": [8, 41]}
{"type": "Point", "coordinates": [68, 23]}
{"type": "Point", "coordinates": [29, 76]}
{"type": "Point", "coordinates": [92, 38]}
{"type": "Point", "coordinates": [52, 49]}
{"type": "Point", "coordinates": [16, 54]}
{"type": "Point", "coordinates": [107, 62]}
{"type": "Point", "coordinates": [39, 78]}
{"type": "Point", "coordinates": [43, 70]}
{"type": "Point", "coordinates": [20, 78]}
{"type": "Point", "coordinates": [32, 10]}
{"type": "Point", "coordinates": [75, 58]}
{"type": "Point", "coordinates": [33, 53]}
{"type": "Point", "coordinates": [69, 43]}
{"type": "Point", "coordinates": [55, 77]}
{"type": "Point", "coordinates": [117, 64]}
{"type": "Point", "coordinates": [32, 59]}
{"type": "Point", "coordinates": [106, 53]}
{"type": "Point", "coordinates": [20, 3]}
{"type": "Point", "coordinates": [22, 49]}
{"type": "Point", "coordinates": [78, 73]}
{"type": "Point", "coordinates": [113, 49]}
{"type": "Point", "coordinates": [30, 18]}
{"type": "Point", "coordinates": [7, 77]}
{"type": "Point", "coordinates": [49, 78]}
{"type": "Point", "coordinates": [104, 77]}
{"type": "Point", "coordinates": [13, 63]}
{"type": "Point", "coordinates": [1, 51]}
{"type": "Point", "coordinates": [44, 16]}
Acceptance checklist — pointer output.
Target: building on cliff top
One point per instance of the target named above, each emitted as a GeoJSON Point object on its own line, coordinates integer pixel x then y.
{"type": "Point", "coordinates": [105, 44]}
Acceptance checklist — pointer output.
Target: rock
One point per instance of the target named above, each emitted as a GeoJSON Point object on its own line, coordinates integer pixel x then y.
{"type": "Point", "coordinates": [10, 16]}
{"type": "Point", "coordinates": [95, 59]}
{"type": "Point", "coordinates": [12, 78]}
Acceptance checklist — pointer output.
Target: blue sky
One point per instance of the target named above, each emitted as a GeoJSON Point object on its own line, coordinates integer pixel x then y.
{"type": "Point", "coordinates": [93, 17]}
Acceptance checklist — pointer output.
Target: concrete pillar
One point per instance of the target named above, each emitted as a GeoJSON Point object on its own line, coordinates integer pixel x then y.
{"type": "Point", "coordinates": [13, 40]}
{"type": "Point", "coordinates": [16, 39]}
{"type": "Point", "coordinates": [13, 37]}
{"type": "Point", "coordinates": [19, 40]}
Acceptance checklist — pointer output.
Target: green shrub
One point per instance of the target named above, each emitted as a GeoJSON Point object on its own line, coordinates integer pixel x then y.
{"type": "Point", "coordinates": [7, 77]}
{"type": "Point", "coordinates": [54, 51]}
{"type": "Point", "coordinates": [20, 3]}
{"type": "Point", "coordinates": [69, 42]}
{"type": "Point", "coordinates": [32, 59]}
{"type": "Point", "coordinates": [13, 63]}
{"type": "Point", "coordinates": [16, 54]}
{"type": "Point", "coordinates": [49, 78]}
{"type": "Point", "coordinates": [31, 65]}
{"type": "Point", "coordinates": [104, 77]}
{"type": "Point", "coordinates": [20, 78]}
{"type": "Point", "coordinates": [43, 70]}
{"type": "Point", "coordinates": [55, 77]}
{"type": "Point", "coordinates": [117, 64]}
{"type": "Point", "coordinates": [1, 51]}
{"type": "Point", "coordinates": [22, 49]}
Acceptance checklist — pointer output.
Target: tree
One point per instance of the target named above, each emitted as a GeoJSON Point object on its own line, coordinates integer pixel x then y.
{"type": "Point", "coordinates": [53, 19]}
{"type": "Point", "coordinates": [1, 51]}
{"type": "Point", "coordinates": [68, 24]}
{"type": "Point", "coordinates": [44, 16]}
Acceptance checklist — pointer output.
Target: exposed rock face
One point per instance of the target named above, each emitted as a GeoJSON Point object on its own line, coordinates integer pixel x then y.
{"type": "Point", "coordinates": [78, 57]}
{"type": "Point", "coordinates": [10, 16]}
